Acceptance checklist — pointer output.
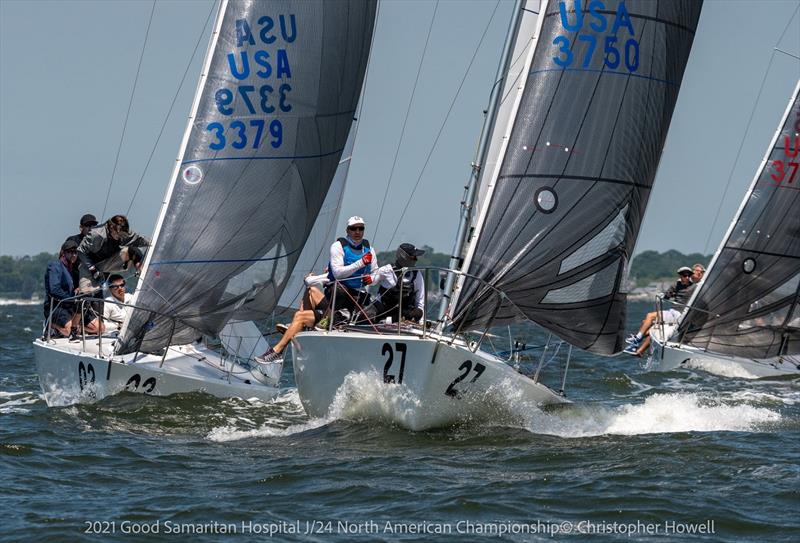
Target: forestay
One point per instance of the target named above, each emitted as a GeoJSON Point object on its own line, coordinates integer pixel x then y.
{"type": "Point", "coordinates": [748, 302]}
{"type": "Point", "coordinates": [270, 120]}
{"type": "Point", "coordinates": [562, 218]}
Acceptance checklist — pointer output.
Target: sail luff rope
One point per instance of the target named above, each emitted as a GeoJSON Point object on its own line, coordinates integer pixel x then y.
{"type": "Point", "coordinates": [171, 106]}
{"type": "Point", "coordinates": [444, 122]}
{"type": "Point", "coordinates": [405, 119]}
{"type": "Point", "coordinates": [130, 104]}
{"type": "Point", "coordinates": [746, 130]}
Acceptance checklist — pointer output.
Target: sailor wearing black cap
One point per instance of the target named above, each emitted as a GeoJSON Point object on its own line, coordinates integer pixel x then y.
{"type": "Point", "coordinates": [413, 287]}
{"type": "Point", "coordinates": [88, 221]}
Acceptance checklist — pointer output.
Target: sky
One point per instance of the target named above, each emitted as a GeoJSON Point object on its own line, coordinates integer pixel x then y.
{"type": "Point", "coordinates": [67, 71]}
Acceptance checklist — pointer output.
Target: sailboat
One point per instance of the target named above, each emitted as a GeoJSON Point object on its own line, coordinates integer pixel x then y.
{"type": "Point", "coordinates": [564, 171]}
{"type": "Point", "coordinates": [262, 155]}
{"type": "Point", "coordinates": [744, 318]}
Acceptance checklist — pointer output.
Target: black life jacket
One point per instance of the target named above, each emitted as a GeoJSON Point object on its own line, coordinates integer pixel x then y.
{"type": "Point", "coordinates": [390, 296]}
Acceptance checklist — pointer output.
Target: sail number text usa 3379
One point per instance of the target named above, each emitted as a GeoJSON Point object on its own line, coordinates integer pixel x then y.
{"type": "Point", "coordinates": [597, 35]}
{"type": "Point", "coordinates": [259, 72]}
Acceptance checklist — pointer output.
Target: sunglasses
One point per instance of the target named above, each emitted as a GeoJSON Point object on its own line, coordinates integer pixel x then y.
{"type": "Point", "coordinates": [117, 286]}
{"type": "Point", "coordinates": [356, 228]}
{"type": "Point", "coordinates": [686, 275]}
{"type": "Point", "coordinates": [71, 251]}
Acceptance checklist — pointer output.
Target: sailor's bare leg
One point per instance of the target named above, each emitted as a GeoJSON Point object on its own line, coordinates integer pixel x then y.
{"type": "Point", "coordinates": [303, 318]}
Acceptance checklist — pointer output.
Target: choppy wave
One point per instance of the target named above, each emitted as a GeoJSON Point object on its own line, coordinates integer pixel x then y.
{"type": "Point", "coordinates": [15, 401]}
{"type": "Point", "coordinates": [290, 410]}
{"type": "Point", "coordinates": [659, 413]}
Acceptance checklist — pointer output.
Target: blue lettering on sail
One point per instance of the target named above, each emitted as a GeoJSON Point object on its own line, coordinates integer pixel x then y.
{"type": "Point", "coordinates": [601, 23]}
{"type": "Point", "coordinates": [244, 73]}
{"type": "Point", "coordinates": [623, 18]}
{"type": "Point", "coordinates": [248, 106]}
{"type": "Point", "coordinates": [243, 33]}
{"type": "Point", "coordinates": [562, 8]}
{"type": "Point", "coordinates": [267, 24]}
{"type": "Point", "coordinates": [283, 68]}
{"type": "Point", "coordinates": [616, 51]}
{"type": "Point", "coordinates": [261, 59]}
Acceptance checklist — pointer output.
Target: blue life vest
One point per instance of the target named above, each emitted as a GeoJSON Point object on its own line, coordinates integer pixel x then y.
{"type": "Point", "coordinates": [352, 253]}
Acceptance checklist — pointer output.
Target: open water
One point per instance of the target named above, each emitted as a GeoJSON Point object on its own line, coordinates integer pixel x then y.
{"type": "Point", "coordinates": [637, 457]}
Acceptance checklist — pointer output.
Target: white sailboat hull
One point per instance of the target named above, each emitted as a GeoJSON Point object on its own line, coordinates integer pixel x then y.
{"type": "Point", "coordinates": [668, 356]}
{"type": "Point", "coordinates": [70, 373]}
{"type": "Point", "coordinates": [443, 384]}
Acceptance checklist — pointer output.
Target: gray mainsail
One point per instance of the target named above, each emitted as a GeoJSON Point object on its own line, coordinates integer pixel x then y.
{"type": "Point", "coordinates": [563, 215]}
{"type": "Point", "coordinates": [271, 117]}
{"type": "Point", "coordinates": [749, 301]}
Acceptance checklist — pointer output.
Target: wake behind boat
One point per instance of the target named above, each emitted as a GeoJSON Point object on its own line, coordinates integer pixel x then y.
{"type": "Point", "coordinates": [550, 216]}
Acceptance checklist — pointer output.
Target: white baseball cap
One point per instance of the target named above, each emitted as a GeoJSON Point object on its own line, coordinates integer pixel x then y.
{"type": "Point", "coordinates": [354, 220]}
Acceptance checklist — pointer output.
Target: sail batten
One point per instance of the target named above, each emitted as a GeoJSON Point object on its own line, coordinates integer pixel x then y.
{"type": "Point", "coordinates": [272, 120]}
{"type": "Point", "coordinates": [560, 222]}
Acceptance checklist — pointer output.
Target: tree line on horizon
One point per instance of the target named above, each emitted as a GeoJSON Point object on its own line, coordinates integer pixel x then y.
{"type": "Point", "coordinates": [22, 277]}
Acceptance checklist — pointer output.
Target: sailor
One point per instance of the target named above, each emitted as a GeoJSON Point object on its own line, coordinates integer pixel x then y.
{"type": "Point", "coordinates": [389, 289]}
{"type": "Point", "coordinates": [87, 222]}
{"type": "Point", "coordinates": [350, 267]}
{"type": "Point", "coordinates": [679, 293]}
{"type": "Point", "coordinates": [312, 307]}
{"type": "Point", "coordinates": [110, 247]}
{"type": "Point", "coordinates": [58, 286]}
{"type": "Point", "coordinates": [113, 313]}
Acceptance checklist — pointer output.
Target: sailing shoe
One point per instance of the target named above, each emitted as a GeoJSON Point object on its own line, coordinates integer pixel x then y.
{"type": "Point", "coordinates": [270, 367]}
{"type": "Point", "coordinates": [631, 349]}
{"type": "Point", "coordinates": [633, 339]}
{"type": "Point", "coordinates": [281, 328]}
{"type": "Point", "coordinates": [268, 357]}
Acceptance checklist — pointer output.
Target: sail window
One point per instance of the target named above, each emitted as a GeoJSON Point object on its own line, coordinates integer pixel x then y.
{"type": "Point", "coordinates": [789, 288]}
{"type": "Point", "coordinates": [770, 320]}
{"type": "Point", "coordinates": [611, 236]}
{"type": "Point", "coordinates": [749, 265]}
{"type": "Point", "coordinates": [546, 200]}
{"type": "Point", "coordinates": [595, 286]}
{"type": "Point", "coordinates": [192, 174]}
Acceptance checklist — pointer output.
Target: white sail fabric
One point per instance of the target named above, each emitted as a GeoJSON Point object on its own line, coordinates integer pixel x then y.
{"type": "Point", "coordinates": [585, 145]}
{"type": "Point", "coordinates": [272, 116]}
{"type": "Point", "coordinates": [747, 304]}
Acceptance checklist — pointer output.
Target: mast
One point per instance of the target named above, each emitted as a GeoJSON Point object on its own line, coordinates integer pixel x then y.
{"type": "Point", "coordinates": [470, 190]}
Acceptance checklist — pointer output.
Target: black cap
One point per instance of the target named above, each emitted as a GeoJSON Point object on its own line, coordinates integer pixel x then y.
{"type": "Point", "coordinates": [406, 255]}
{"type": "Point", "coordinates": [69, 245]}
{"type": "Point", "coordinates": [410, 250]}
{"type": "Point", "coordinates": [88, 220]}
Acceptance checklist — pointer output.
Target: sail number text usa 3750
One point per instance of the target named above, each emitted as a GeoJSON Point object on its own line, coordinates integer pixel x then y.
{"type": "Point", "coordinates": [259, 85]}
{"type": "Point", "coordinates": [617, 48]}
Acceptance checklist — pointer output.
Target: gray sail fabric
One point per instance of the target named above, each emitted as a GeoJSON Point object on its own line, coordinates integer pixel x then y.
{"type": "Point", "coordinates": [316, 252]}
{"type": "Point", "coordinates": [272, 121]}
{"type": "Point", "coordinates": [566, 209]}
{"type": "Point", "coordinates": [749, 301]}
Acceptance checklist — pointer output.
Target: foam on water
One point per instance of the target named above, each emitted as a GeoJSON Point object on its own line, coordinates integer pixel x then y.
{"type": "Point", "coordinates": [659, 413]}
{"type": "Point", "coordinates": [16, 400]}
{"type": "Point", "coordinates": [289, 406]}
{"type": "Point", "coordinates": [364, 396]}
{"type": "Point", "coordinates": [721, 367]}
